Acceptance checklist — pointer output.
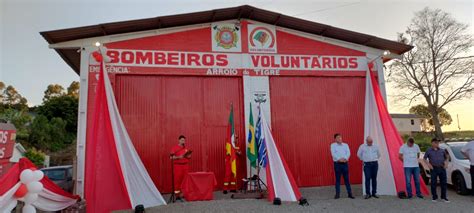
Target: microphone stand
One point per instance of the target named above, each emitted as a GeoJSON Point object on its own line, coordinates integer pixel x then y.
{"type": "Point", "coordinates": [173, 195]}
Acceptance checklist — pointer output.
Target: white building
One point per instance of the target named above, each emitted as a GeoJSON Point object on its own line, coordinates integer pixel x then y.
{"type": "Point", "coordinates": [407, 123]}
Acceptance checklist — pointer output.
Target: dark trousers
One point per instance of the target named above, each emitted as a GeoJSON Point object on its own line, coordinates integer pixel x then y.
{"type": "Point", "coordinates": [472, 180]}
{"type": "Point", "coordinates": [441, 173]}
{"type": "Point", "coordinates": [370, 172]}
{"type": "Point", "coordinates": [342, 169]}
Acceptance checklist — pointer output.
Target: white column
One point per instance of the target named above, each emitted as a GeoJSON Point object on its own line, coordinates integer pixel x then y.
{"type": "Point", "coordinates": [82, 121]}
{"type": "Point", "coordinates": [255, 85]}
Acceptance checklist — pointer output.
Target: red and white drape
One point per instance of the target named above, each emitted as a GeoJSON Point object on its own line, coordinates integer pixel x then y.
{"type": "Point", "coordinates": [51, 198]}
{"type": "Point", "coordinates": [379, 125]}
{"type": "Point", "coordinates": [280, 181]}
{"type": "Point", "coordinates": [115, 177]}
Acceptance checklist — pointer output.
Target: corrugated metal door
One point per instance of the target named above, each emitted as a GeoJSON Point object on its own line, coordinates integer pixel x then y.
{"type": "Point", "coordinates": [306, 112]}
{"type": "Point", "coordinates": [157, 109]}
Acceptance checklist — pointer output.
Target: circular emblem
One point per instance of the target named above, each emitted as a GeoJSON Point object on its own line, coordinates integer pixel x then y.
{"type": "Point", "coordinates": [262, 37]}
{"type": "Point", "coordinates": [226, 37]}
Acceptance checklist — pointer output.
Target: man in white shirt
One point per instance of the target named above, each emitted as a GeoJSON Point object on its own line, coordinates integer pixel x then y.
{"type": "Point", "coordinates": [468, 151]}
{"type": "Point", "coordinates": [409, 154]}
{"type": "Point", "coordinates": [369, 153]}
{"type": "Point", "coordinates": [340, 155]}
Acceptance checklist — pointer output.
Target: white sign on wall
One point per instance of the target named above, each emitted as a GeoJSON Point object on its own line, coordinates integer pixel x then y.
{"type": "Point", "coordinates": [262, 38]}
{"type": "Point", "coordinates": [226, 38]}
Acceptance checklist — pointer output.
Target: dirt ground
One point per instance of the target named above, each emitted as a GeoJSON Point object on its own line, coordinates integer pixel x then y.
{"type": "Point", "coordinates": [321, 200]}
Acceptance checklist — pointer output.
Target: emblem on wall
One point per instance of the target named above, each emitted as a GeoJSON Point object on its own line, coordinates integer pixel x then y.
{"type": "Point", "coordinates": [262, 38]}
{"type": "Point", "coordinates": [226, 38]}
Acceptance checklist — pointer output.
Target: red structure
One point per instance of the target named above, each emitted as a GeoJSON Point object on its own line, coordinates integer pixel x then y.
{"type": "Point", "coordinates": [179, 74]}
{"type": "Point", "coordinates": [7, 144]}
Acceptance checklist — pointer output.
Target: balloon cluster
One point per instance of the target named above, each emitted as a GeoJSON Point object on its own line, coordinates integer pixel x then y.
{"type": "Point", "coordinates": [29, 188]}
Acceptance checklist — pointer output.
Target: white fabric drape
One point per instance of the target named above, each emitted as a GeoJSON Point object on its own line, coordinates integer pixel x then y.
{"type": "Point", "coordinates": [373, 128]}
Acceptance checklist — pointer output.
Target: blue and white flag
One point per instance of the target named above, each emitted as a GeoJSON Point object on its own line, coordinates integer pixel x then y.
{"type": "Point", "coordinates": [260, 138]}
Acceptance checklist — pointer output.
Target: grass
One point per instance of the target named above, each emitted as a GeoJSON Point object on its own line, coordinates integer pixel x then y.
{"type": "Point", "coordinates": [423, 139]}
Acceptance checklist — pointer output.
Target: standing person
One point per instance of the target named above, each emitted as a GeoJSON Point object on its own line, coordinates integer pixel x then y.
{"type": "Point", "coordinates": [438, 161]}
{"type": "Point", "coordinates": [409, 154]}
{"type": "Point", "coordinates": [180, 156]}
{"type": "Point", "coordinates": [468, 151]}
{"type": "Point", "coordinates": [369, 153]}
{"type": "Point", "coordinates": [340, 155]}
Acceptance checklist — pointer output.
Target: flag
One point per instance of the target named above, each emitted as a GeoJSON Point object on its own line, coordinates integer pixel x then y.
{"type": "Point", "coordinates": [115, 177]}
{"type": "Point", "coordinates": [379, 125]}
{"type": "Point", "coordinates": [252, 146]}
{"type": "Point", "coordinates": [280, 181]}
{"type": "Point", "coordinates": [260, 138]}
{"type": "Point", "coordinates": [230, 142]}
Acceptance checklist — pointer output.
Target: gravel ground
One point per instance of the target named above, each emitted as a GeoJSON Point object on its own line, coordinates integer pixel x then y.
{"type": "Point", "coordinates": [321, 200]}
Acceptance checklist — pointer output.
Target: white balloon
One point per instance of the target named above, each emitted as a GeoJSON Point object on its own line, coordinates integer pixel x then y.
{"type": "Point", "coordinates": [31, 197]}
{"type": "Point", "coordinates": [28, 209]}
{"type": "Point", "coordinates": [27, 176]}
{"type": "Point", "coordinates": [34, 187]}
{"type": "Point", "coordinates": [38, 175]}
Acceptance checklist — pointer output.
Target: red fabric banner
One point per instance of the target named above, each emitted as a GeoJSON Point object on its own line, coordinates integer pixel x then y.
{"type": "Point", "coordinates": [394, 141]}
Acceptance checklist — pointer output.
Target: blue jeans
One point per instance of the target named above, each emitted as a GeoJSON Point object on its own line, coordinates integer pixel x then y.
{"type": "Point", "coordinates": [370, 172]}
{"type": "Point", "coordinates": [415, 172]}
{"type": "Point", "coordinates": [441, 173]}
{"type": "Point", "coordinates": [342, 169]}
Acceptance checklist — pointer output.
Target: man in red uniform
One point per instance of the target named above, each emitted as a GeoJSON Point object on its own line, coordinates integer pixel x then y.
{"type": "Point", "coordinates": [180, 156]}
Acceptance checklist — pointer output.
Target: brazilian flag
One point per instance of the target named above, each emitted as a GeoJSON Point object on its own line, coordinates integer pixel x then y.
{"type": "Point", "coordinates": [252, 146]}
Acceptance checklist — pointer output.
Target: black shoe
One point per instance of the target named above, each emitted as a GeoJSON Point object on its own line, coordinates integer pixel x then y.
{"type": "Point", "coordinates": [350, 196]}
{"type": "Point", "coordinates": [233, 191]}
{"type": "Point", "coordinates": [336, 197]}
{"type": "Point", "coordinates": [180, 199]}
{"type": "Point", "coordinates": [410, 197]}
{"type": "Point", "coordinates": [420, 196]}
{"type": "Point", "coordinates": [375, 196]}
{"type": "Point", "coordinates": [225, 192]}
{"type": "Point", "coordinates": [445, 200]}
{"type": "Point", "coordinates": [367, 196]}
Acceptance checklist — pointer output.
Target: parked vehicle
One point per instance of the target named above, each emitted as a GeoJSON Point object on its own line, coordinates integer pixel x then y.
{"type": "Point", "coordinates": [60, 175]}
{"type": "Point", "coordinates": [458, 169]}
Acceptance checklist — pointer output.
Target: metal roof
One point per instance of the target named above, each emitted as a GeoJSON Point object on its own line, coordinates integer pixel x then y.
{"type": "Point", "coordinates": [405, 116]}
{"type": "Point", "coordinates": [72, 57]}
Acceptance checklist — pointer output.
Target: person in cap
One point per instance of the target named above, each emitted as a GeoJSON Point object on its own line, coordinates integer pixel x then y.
{"type": "Point", "coordinates": [437, 160]}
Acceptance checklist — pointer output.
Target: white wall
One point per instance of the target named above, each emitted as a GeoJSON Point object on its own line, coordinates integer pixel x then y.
{"type": "Point", "coordinates": [404, 124]}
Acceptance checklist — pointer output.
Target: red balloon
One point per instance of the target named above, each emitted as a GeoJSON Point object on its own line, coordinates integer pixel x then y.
{"type": "Point", "coordinates": [33, 169]}
{"type": "Point", "coordinates": [21, 191]}
{"type": "Point", "coordinates": [97, 56]}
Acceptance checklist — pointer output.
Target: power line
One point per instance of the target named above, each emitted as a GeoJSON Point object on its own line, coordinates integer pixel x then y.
{"type": "Point", "coordinates": [329, 8]}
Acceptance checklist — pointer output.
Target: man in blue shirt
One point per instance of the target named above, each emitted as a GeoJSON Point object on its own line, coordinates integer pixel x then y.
{"type": "Point", "coordinates": [340, 155]}
{"type": "Point", "coordinates": [438, 160]}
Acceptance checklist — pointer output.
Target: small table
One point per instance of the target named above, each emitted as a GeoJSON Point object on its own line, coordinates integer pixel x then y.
{"type": "Point", "coordinates": [199, 186]}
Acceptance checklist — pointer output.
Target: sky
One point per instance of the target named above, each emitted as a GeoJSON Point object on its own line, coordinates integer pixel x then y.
{"type": "Point", "coordinates": [30, 66]}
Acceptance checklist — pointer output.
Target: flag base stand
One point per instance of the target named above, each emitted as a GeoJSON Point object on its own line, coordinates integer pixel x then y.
{"type": "Point", "coordinates": [253, 187]}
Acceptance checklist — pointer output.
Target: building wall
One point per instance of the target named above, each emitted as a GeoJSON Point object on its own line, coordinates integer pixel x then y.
{"type": "Point", "coordinates": [160, 100]}
{"type": "Point", "coordinates": [407, 125]}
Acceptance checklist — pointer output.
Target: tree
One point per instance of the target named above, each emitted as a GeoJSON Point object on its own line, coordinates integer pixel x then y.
{"type": "Point", "coordinates": [53, 90]}
{"type": "Point", "coordinates": [73, 89]}
{"type": "Point", "coordinates": [427, 123]}
{"type": "Point", "coordinates": [35, 156]}
{"type": "Point", "coordinates": [435, 69]}
{"type": "Point", "coordinates": [48, 135]}
{"type": "Point", "coordinates": [10, 98]}
{"type": "Point", "coordinates": [64, 107]}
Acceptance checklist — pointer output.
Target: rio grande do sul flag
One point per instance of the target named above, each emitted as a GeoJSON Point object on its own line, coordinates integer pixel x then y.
{"type": "Point", "coordinates": [230, 143]}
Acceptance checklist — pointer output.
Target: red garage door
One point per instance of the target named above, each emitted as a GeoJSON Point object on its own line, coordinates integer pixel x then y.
{"type": "Point", "coordinates": [157, 109]}
{"type": "Point", "coordinates": [306, 112]}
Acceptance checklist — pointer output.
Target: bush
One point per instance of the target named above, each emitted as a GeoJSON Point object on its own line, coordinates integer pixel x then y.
{"type": "Point", "coordinates": [35, 156]}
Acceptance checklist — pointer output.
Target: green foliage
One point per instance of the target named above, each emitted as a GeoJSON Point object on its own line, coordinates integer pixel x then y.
{"type": "Point", "coordinates": [428, 124]}
{"type": "Point", "coordinates": [49, 135]}
{"type": "Point", "coordinates": [64, 107]}
{"type": "Point", "coordinates": [10, 98]}
{"type": "Point", "coordinates": [423, 139]}
{"type": "Point", "coordinates": [35, 156]}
